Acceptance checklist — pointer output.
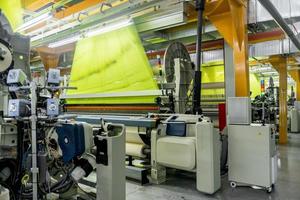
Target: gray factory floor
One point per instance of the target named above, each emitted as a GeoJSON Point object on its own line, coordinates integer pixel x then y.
{"type": "Point", "coordinates": [182, 187]}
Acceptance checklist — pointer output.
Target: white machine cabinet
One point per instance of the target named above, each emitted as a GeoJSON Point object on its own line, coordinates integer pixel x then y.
{"type": "Point", "coordinates": [198, 152]}
{"type": "Point", "coordinates": [252, 156]}
{"type": "Point", "coordinates": [295, 118]}
{"type": "Point", "coordinates": [111, 183]}
{"type": "Point", "coordinates": [208, 158]}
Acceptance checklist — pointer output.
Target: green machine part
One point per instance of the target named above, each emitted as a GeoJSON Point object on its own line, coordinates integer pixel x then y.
{"type": "Point", "coordinates": [12, 9]}
{"type": "Point", "coordinates": [114, 62]}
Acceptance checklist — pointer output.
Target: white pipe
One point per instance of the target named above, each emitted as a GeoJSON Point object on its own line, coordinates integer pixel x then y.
{"type": "Point", "coordinates": [33, 119]}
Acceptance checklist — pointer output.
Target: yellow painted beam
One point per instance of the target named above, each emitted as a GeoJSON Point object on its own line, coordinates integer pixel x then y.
{"type": "Point", "coordinates": [34, 5]}
{"type": "Point", "coordinates": [280, 64]}
{"type": "Point", "coordinates": [49, 60]}
{"type": "Point", "coordinates": [230, 18]}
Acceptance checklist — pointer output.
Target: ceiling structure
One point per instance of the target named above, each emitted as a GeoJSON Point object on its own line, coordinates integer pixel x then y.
{"type": "Point", "coordinates": [158, 22]}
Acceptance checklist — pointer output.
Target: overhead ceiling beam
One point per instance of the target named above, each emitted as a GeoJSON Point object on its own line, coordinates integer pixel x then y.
{"type": "Point", "coordinates": [219, 44]}
{"type": "Point", "coordinates": [34, 5]}
{"type": "Point", "coordinates": [77, 8]}
{"type": "Point", "coordinates": [58, 50]}
{"type": "Point", "coordinates": [268, 5]}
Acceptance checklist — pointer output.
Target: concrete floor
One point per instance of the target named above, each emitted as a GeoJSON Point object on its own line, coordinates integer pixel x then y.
{"type": "Point", "coordinates": [182, 186]}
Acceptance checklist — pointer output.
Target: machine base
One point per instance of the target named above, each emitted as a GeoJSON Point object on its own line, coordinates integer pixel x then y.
{"type": "Point", "coordinates": [137, 174]}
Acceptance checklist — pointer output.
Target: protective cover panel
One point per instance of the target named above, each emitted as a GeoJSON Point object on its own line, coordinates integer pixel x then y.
{"type": "Point", "coordinates": [177, 152]}
{"type": "Point", "coordinates": [111, 63]}
{"type": "Point", "coordinates": [71, 140]}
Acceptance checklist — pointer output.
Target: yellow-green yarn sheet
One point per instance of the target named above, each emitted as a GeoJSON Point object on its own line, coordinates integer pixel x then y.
{"type": "Point", "coordinates": [110, 63]}
{"type": "Point", "coordinates": [12, 9]}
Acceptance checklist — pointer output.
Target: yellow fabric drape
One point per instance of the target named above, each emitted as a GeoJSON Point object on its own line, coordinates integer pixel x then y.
{"type": "Point", "coordinates": [111, 63]}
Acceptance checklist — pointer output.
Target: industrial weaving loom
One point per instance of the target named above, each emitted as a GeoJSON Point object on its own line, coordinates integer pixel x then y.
{"type": "Point", "coordinates": [112, 69]}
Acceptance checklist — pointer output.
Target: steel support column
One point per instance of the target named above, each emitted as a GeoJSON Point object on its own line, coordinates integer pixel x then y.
{"type": "Point", "coordinates": [229, 73]}
{"type": "Point", "coordinates": [230, 18]}
{"type": "Point", "coordinates": [280, 64]}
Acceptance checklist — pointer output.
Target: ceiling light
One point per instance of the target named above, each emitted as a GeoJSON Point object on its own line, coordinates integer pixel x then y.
{"type": "Point", "coordinates": [35, 21]}
{"type": "Point", "coordinates": [54, 31]}
{"type": "Point", "coordinates": [98, 31]}
{"type": "Point", "coordinates": [272, 72]}
{"type": "Point", "coordinates": [108, 28]}
{"type": "Point", "coordinates": [65, 41]}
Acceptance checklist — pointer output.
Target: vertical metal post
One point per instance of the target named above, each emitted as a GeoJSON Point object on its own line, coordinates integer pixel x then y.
{"type": "Point", "coordinates": [283, 104]}
{"type": "Point", "coordinates": [229, 73]}
{"type": "Point", "coordinates": [33, 119]}
{"type": "Point", "coordinates": [200, 6]}
{"type": "Point", "coordinates": [230, 18]}
{"type": "Point", "coordinates": [280, 64]}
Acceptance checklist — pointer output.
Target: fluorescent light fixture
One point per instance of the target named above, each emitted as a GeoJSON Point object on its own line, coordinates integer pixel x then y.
{"type": "Point", "coordinates": [273, 72]}
{"type": "Point", "coordinates": [54, 31]}
{"type": "Point", "coordinates": [35, 21]}
{"type": "Point", "coordinates": [65, 41]}
{"type": "Point", "coordinates": [98, 31]}
{"type": "Point", "coordinates": [260, 69]}
{"type": "Point", "coordinates": [108, 28]}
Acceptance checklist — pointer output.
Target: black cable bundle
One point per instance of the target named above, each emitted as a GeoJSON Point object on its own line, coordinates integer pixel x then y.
{"type": "Point", "coordinates": [9, 182]}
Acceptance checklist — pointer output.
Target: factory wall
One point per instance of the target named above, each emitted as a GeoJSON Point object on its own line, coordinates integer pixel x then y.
{"type": "Point", "coordinates": [214, 72]}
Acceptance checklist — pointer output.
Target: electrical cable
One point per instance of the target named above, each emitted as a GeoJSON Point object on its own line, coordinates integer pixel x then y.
{"type": "Point", "coordinates": [85, 192]}
{"type": "Point", "coordinates": [59, 187]}
{"type": "Point", "coordinates": [64, 188]}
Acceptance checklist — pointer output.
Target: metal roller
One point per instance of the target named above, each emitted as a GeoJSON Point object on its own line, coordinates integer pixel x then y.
{"type": "Point", "coordinates": [6, 56]}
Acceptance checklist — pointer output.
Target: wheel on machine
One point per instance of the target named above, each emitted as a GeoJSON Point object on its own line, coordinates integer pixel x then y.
{"type": "Point", "coordinates": [233, 184]}
{"type": "Point", "coordinates": [269, 189]}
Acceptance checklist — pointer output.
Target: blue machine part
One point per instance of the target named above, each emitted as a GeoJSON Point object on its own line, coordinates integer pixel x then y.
{"type": "Point", "coordinates": [176, 128]}
{"type": "Point", "coordinates": [71, 140]}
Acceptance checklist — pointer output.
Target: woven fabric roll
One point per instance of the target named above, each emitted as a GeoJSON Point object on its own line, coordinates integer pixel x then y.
{"type": "Point", "coordinates": [135, 150]}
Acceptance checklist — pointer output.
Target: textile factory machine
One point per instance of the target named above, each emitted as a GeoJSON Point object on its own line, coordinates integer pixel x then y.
{"type": "Point", "coordinates": [265, 107]}
{"type": "Point", "coordinates": [169, 138]}
{"type": "Point", "coordinates": [178, 141]}
{"type": "Point", "coordinates": [44, 153]}
{"type": "Point", "coordinates": [293, 113]}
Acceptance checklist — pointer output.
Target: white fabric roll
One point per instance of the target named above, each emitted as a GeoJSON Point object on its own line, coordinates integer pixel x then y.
{"type": "Point", "coordinates": [136, 150]}
{"type": "Point", "coordinates": [132, 135]}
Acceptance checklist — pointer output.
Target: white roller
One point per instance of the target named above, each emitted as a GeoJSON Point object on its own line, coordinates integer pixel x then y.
{"type": "Point", "coordinates": [132, 135]}
{"type": "Point", "coordinates": [7, 60]}
{"type": "Point", "coordinates": [135, 150]}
